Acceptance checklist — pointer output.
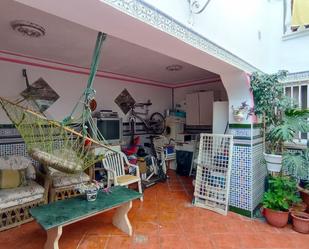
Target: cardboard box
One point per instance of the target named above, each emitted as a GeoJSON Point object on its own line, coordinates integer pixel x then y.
{"type": "Point", "coordinates": [142, 166]}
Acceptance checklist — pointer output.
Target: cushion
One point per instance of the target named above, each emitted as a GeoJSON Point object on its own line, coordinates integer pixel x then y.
{"type": "Point", "coordinates": [127, 179]}
{"type": "Point", "coordinates": [60, 179]}
{"type": "Point", "coordinates": [18, 162]}
{"type": "Point", "coordinates": [10, 178]}
{"type": "Point", "coordinates": [66, 160]}
{"type": "Point", "coordinates": [20, 195]}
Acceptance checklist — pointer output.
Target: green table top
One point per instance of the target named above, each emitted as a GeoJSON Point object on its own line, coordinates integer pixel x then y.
{"type": "Point", "coordinates": [65, 211]}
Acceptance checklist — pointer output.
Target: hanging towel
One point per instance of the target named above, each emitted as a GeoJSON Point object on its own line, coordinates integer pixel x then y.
{"type": "Point", "coordinates": [300, 15]}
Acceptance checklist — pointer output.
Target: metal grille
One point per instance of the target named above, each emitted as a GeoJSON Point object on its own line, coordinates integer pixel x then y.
{"type": "Point", "coordinates": [299, 94]}
{"type": "Point", "coordinates": [213, 172]}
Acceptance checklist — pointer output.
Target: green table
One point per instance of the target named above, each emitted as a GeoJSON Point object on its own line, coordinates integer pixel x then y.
{"type": "Point", "coordinates": [52, 217]}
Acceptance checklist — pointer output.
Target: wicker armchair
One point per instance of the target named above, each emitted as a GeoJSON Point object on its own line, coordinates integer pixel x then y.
{"type": "Point", "coordinates": [62, 185]}
{"type": "Point", "coordinates": [15, 203]}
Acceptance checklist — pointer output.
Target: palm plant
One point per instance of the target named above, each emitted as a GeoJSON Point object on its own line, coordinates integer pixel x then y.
{"type": "Point", "coordinates": [282, 121]}
{"type": "Point", "coordinates": [297, 163]}
{"type": "Point", "coordinates": [286, 130]}
{"type": "Point", "coordinates": [293, 122]}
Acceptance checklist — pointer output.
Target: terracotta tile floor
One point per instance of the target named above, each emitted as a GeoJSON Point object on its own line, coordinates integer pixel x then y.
{"type": "Point", "coordinates": [166, 219]}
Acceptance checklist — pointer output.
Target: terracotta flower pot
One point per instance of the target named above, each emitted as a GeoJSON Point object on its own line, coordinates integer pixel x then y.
{"type": "Point", "coordinates": [300, 222]}
{"type": "Point", "coordinates": [299, 207]}
{"type": "Point", "coordinates": [276, 218]}
{"type": "Point", "coordinates": [305, 197]}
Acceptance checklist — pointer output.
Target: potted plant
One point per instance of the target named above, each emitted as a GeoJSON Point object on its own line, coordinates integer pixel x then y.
{"type": "Point", "coordinates": [281, 122]}
{"type": "Point", "coordinates": [281, 195]}
{"type": "Point", "coordinates": [292, 122]}
{"type": "Point", "coordinates": [304, 194]}
{"type": "Point", "coordinates": [241, 112]}
{"type": "Point", "coordinates": [300, 222]}
{"type": "Point", "coordinates": [268, 97]}
{"type": "Point", "coordinates": [90, 190]}
{"type": "Point", "coordinates": [296, 163]}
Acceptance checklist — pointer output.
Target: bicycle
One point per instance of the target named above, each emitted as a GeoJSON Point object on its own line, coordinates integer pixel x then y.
{"type": "Point", "coordinates": [155, 124]}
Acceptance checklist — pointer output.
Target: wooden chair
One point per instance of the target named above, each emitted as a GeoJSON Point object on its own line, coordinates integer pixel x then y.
{"type": "Point", "coordinates": [114, 163]}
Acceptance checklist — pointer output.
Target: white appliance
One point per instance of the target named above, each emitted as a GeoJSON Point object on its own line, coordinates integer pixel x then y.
{"type": "Point", "coordinates": [183, 138]}
{"type": "Point", "coordinates": [220, 117]}
{"type": "Point", "coordinates": [176, 125]}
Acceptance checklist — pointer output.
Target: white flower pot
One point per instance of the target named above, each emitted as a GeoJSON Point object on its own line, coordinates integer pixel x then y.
{"type": "Point", "coordinates": [91, 194]}
{"type": "Point", "coordinates": [273, 162]}
{"type": "Point", "coordinates": [239, 117]}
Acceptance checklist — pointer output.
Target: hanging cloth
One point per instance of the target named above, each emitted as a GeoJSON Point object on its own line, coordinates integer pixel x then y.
{"type": "Point", "coordinates": [300, 13]}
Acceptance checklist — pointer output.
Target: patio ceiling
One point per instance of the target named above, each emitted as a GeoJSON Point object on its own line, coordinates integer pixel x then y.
{"type": "Point", "coordinates": [71, 43]}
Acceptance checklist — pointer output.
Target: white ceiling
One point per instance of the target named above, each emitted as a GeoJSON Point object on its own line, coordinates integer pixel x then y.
{"type": "Point", "coordinates": [71, 43]}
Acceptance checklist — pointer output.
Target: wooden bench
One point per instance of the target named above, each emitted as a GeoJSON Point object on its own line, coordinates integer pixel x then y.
{"type": "Point", "coordinates": [52, 217]}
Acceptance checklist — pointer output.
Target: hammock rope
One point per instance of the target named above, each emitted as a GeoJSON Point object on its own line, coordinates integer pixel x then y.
{"type": "Point", "coordinates": [56, 144]}
{"type": "Point", "coordinates": [50, 142]}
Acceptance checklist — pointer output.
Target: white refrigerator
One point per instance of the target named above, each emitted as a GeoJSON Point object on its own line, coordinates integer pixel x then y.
{"type": "Point", "coordinates": [220, 117]}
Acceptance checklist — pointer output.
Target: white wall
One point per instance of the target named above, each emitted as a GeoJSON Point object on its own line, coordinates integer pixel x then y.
{"type": "Point", "coordinates": [234, 25]}
{"type": "Point", "coordinates": [291, 54]}
{"type": "Point", "coordinates": [252, 30]}
{"type": "Point", "coordinates": [237, 87]}
{"type": "Point", "coordinates": [70, 87]}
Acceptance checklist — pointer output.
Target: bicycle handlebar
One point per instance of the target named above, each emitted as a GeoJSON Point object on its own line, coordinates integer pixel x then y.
{"type": "Point", "coordinates": [142, 104]}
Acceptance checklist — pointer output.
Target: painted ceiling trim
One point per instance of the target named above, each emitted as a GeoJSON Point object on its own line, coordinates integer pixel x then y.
{"type": "Point", "coordinates": [78, 67]}
{"type": "Point", "coordinates": [152, 16]}
{"type": "Point", "coordinates": [13, 57]}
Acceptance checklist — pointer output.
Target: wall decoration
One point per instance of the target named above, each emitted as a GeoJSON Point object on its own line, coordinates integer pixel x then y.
{"type": "Point", "coordinates": [125, 101]}
{"type": "Point", "coordinates": [41, 94]}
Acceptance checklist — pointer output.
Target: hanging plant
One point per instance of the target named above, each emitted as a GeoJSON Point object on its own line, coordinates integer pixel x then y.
{"type": "Point", "coordinates": [241, 112]}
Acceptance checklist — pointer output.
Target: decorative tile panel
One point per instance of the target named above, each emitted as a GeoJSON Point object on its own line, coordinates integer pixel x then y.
{"type": "Point", "coordinates": [13, 149]}
{"type": "Point", "coordinates": [248, 169]}
{"type": "Point", "coordinates": [259, 173]}
{"type": "Point", "coordinates": [256, 132]}
{"type": "Point", "coordinates": [241, 178]}
{"type": "Point", "coordinates": [241, 132]}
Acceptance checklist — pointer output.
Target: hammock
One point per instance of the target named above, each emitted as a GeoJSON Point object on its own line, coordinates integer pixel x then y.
{"type": "Point", "coordinates": [50, 142]}
{"type": "Point", "coordinates": [56, 144]}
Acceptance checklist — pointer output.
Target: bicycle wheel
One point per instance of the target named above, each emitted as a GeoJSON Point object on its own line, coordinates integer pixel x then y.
{"type": "Point", "coordinates": [157, 122]}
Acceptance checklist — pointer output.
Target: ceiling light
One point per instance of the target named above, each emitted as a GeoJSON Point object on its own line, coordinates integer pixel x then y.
{"type": "Point", "coordinates": [174, 68]}
{"type": "Point", "coordinates": [28, 28]}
